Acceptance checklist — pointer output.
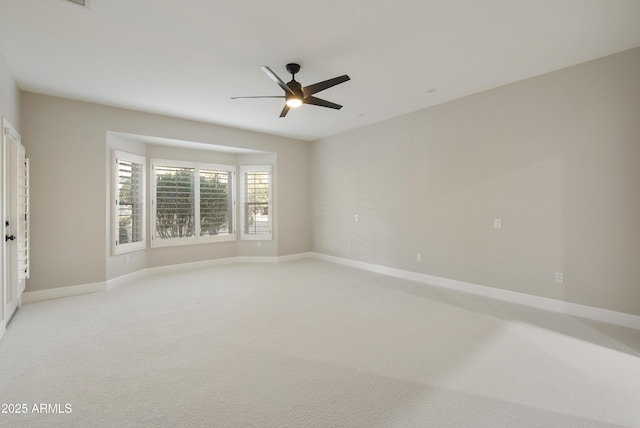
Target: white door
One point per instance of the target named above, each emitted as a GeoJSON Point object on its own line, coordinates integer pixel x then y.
{"type": "Point", "coordinates": [15, 209]}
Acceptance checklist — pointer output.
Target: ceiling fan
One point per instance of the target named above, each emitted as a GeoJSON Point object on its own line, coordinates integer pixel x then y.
{"type": "Point", "coordinates": [295, 95]}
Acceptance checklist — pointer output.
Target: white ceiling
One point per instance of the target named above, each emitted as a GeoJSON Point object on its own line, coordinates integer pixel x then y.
{"type": "Point", "coordinates": [187, 58]}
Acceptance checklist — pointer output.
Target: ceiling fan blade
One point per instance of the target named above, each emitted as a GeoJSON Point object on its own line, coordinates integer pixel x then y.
{"type": "Point", "coordinates": [261, 96]}
{"type": "Point", "coordinates": [276, 79]}
{"type": "Point", "coordinates": [285, 110]}
{"type": "Point", "coordinates": [321, 86]}
{"type": "Point", "coordinates": [322, 103]}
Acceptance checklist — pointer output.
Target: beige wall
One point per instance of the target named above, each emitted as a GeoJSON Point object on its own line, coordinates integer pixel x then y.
{"type": "Point", "coordinates": [9, 96]}
{"type": "Point", "coordinates": [556, 157]}
{"type": "Point", "coordinates": [66, 141]}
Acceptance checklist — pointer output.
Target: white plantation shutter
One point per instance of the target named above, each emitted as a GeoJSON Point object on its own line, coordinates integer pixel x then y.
{"type": "Point", "coordinates": [23, 219]}
{"type": "Point", "coordinates": [174, 202]}
{"type": "Point", "coordinates": [256, 202]}
{"type": "Point", "coordinates": [129, 203]}
{"type": "Point", "coordinates": [129, 206]}
{"type": "Point", "coordinates": [216, 202]}
{"type": "Point", "coordinates": [193, 203]}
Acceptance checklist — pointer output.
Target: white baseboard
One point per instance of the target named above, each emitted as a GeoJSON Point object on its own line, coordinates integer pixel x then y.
{"type": "Point", "coordinates": [559, 306]}
{"type": "Point", "coordinates": [157, 270]}
{"type": "Point", "coordinates": [208, 263]}
{"type": "Point", "coordinates": [115, 282]}
{"type": "Point", "coordinates": [75, 290]}
{"type": "Point", "coordinates": [57, 293]}
{"type": "Point", "coordinates": [294, 257]}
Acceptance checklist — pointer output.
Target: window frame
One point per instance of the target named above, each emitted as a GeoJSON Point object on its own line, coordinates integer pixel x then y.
{"type": "Point", "coordinates": [243, 220]}
{"type": "Point", "coordinates": [116, 246]}
{"type": "Point", "coordinates": [196, 238]}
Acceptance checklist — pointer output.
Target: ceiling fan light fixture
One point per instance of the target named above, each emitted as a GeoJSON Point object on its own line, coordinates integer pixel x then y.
{"type": "Point", "coordinates": [294, 102]}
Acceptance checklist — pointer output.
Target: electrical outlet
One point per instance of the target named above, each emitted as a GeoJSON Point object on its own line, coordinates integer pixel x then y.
{"type": "Point", "coordinates": [356, 218]}
{"type": "Point", "coordinates": [127, 258]}
{"type": "Point", "coordinates": [559, 277]}
{"type": "Point", "coordinates": [497, 223]}
{"type": "Point", "coordinates": [418, 257]}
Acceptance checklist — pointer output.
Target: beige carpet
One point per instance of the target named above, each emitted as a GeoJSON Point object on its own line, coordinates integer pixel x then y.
{"type": "Point", "coordinates": [310, 344]}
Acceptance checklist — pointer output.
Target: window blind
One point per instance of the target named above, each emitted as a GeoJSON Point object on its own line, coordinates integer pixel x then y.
{"type": "Point", "coordinates": [174, 198]}
{"type": "Point", "coordinates": [129, 202]}
{"type": "Point", "coordinates": [256, 200]}
{"type": "Point", "coordinates": [129, 210]}
{"type": "Point", "coordinates": [23, 219]}
{"type": "Point", "coordinates": [194, 203]}
{"type": "Point", "coordinates": [216, 207]}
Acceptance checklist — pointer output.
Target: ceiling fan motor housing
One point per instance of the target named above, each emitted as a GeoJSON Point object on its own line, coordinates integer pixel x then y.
{"type": "Point", "coordinates": [296, 87]}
